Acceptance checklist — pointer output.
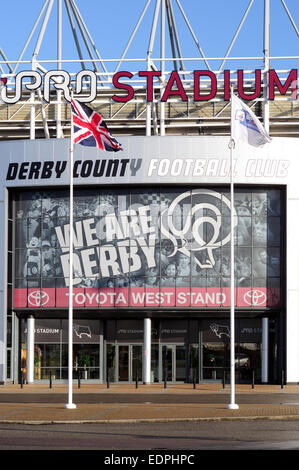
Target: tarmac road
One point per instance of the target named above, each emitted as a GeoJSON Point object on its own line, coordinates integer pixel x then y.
{"type": "Point", "coordinates": [155, 437]}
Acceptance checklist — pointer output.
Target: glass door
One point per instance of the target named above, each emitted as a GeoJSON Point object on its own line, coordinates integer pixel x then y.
{"type": "Point", "coordinates": [136, 362]}
{"type": "Point", "coordinates": [193, 362]}
{"type": "Point", "coordinates": [180, 363]}
{"type": "Point", "coordinates": [123, 363]}
{"type": "Point", "coordinates": [174, 362]}
{"type": "Point", "coordinates": [155, 363]}
{"type": "Point", "coordinates": [167, 363]}
{"type": "Point", "coordinates": [111, 362]}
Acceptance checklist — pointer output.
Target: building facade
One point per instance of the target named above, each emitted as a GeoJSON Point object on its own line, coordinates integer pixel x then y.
{"type": "Point", "coordinates": [151, 260]}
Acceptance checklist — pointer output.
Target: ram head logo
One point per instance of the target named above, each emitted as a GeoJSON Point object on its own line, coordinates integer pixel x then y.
{"type": "Point", "coordinates": [198, 222]}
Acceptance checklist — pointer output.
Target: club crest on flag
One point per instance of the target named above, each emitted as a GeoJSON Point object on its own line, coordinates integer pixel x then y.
{"type": "Point", "coordinates": [90, 129]}
{"type": "Point", "coordinates": [240, 115]}
{"type": "Point", "coordinates": [246, 120]}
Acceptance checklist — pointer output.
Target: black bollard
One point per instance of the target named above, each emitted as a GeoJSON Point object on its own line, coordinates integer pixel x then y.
{"type": "Point", "coordinates": [22, 379]}
{"type": "Point", "coordinates": [223, 380]}
{"type": "Point", "coordinates": [194, 381]}
{"type": "Point", "coordinates": [79, 381]}
{"type": "Point", "coordinates": [165, 379]}
{"type": "Point", "coordinates": [282, 379]}
{"type": "Point", "coordinates": [136, 379]}
{"type": "Point", "coordinates": [50, 379]}
{"type": "Point", "coordinates": [252, 381]}
{"type": "Point", "coordinates": [108, 384]}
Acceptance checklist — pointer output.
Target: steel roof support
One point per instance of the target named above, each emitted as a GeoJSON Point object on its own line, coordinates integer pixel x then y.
{"type": "Point", "coordinates": [162, 104]}
{"type": "Point", "coordinates": [35, 53]}
{"type": "Point", "coordinates": [171, 35]}
{"type": "Point", "coordinates": [48, 6]}
{"type": "Point", "coordinates": [80, 21]}
{"type": "Point", "coordinates": [132, 35]}
{"type": "Point", "coordinates": [172, 26]}
{"type": "Point", "coordinates": [43, 113]}
{"type": "Point", "coordinates": [13, 70]}
{"type": "Point", "coordinates": [266, 107]}
{"type": "Point", "coordinates": [59, 133]}
{"type": "Point", "coordinates": [193, 35]}
{"type": "Point", "coordinates": [290, 17]}
{"type": "Point", "coordinates": [161, 5]}
{"type": "Point", "coordinates": [235, 36]}
{"type": "Point", "coordinates": [30, 36]}
{"type": "Point", "coordinates": [96, 69]}
{"type": "Point", "coordinates": [149, 108]}
{"type": "Point", "coordinates": [153, 30]}
{"type": "Point", "coordinates": [5, 58]}
{"type": "Point", "coordinates": [74, 34]}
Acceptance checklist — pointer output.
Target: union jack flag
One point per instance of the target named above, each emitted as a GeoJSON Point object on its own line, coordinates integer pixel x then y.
{"type": "Point", "coordinates": [90, 129]}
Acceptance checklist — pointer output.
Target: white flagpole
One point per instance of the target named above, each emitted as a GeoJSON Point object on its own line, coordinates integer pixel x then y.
{"type": "Point", "coordinates": [70, 404]}
{"type": "Point", "coordinates": [232, 405]}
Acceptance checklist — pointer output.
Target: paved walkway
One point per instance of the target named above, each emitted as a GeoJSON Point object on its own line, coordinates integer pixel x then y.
{"type": "Point", "coordinates": [38, 404]}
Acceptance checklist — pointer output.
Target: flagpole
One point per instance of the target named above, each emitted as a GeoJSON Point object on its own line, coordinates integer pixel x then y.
{"type": "Point", "coordinates": [232, 405]}
{"type": "Point", "coordinates": [70, 404]}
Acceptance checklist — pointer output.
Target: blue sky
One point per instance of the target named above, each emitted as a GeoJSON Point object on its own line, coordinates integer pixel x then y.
{"type": "Point", "coordinates": [111, 23]}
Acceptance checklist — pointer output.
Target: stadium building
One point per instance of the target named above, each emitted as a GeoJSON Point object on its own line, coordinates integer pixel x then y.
{"type": "Point", "coordinates": [151, 232]}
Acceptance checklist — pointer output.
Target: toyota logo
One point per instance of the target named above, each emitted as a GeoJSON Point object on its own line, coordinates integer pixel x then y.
{"type": "Point", "coordinates": [38, 298]}
{"type": "Point", "coordinates": [255, 297]}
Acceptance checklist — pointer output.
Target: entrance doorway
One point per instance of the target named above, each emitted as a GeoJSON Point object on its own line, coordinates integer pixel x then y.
{"type": "Point", "coordinates": [173, 362]}
{"type": "Point", "coordinates": [124, 362]}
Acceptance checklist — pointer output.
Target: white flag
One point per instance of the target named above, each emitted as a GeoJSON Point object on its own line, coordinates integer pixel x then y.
{"type": "Point", "coordinates": [245, 125]}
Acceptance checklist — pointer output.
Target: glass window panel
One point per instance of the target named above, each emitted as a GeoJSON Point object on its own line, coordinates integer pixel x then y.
{"type": "Point", "coordinates": [225, 204]}
{"type": "Point", "coordinates": [225, 262]}
{"type": "Point", "coordinates": [274, 228]}
{"type": "Point", "coordinates": [9, 332]}
{"type": "Point", "coordinates": [108, 202]}
{"type": "Point", "coordinates": [243, 266]}
{"type": "Point", "coordinates": [151, 279]}
{"type": "Point", "coordinates": [274, 297]}
{"type": "Point", "coordinates": [28, 203]}
{"type": "Point", "coordinates": [8, 364]}
{"type": "Point", "coordinates": [28, 263]}
{"type": "Point", "coordinates": [47, 260]}
{"type": "Point", "coordinates": [63, 211]}
{"type": "Point", "coordinates": [260, 260]}
{"type": "Point", "coordinates": [242, 232]}
{"type": "Point", "coordinates": [33, 228]}
{"type": "Point", "coordinates": [183, 263]}
{"type": "Point", "coordinates": [199, 280]}
{"type": "Point", "coordinates": [168, 275]}
{"type": "Point", "coordinates": [259, 229]}
{"type": "Point", "coordinates": [274, 202]}
{"type": "Point", "coordinates": [273, 269]}
{"type": "Point", "coordinates": [225, 230]}
{"type": "Point", "coordinates": [213, 281]}
{"type": "Point", "coordinates": [259, 282]}
{"type": "Point", "coordinates": [21, 232]}
{"type": "Point", "coordinates": [225, 282]}
{"type": "Point", "coordinates": [183, 281]}
{"type": "Point", "coordinates": [259, 204]}
{"type": "Point", "coordinates": [242, 203]}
